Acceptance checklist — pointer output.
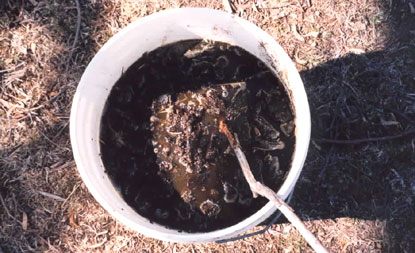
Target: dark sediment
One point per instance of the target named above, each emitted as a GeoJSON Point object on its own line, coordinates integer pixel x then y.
{"type": "Point", "coordinates": [160, 140]}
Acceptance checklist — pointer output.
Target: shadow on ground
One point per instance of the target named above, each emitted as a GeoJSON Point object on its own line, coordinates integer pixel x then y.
{"type": "Point", "coordinates": [355, 98]}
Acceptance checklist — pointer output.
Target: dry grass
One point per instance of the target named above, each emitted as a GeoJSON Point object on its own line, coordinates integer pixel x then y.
{"type": "Point", "coordinates": [357, 61]}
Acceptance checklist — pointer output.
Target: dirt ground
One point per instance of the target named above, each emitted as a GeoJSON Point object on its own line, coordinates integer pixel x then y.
{"type": "Point", "coordinates": [357, 60]}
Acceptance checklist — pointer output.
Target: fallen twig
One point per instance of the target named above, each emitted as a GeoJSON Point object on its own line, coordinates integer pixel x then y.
{"type": "Point", "coordinates": [98, 244]}
{"type": "Point", "coordinates": [70, 194]}
{"type": "Point", "coordinates": [78, 28]}
{"type": "Point", "coordinates": [402, 115]}
{"type": "Point", "coordinates": [63, 166]}
{"type": "Point", "coordinates": [7, 210]}
{"type": "Point", "coordinates": [48, 243]}
{"type": "Point", "coordinates": [296, 34]}
{"type": "Point", "coordinates": [359, 141]}
{"type": "Point", "coordinates": [50, 195]}
{"type": "Point", "coordinates": [228, 6]}
{"type": "Point", "coordinates": [258, 188]}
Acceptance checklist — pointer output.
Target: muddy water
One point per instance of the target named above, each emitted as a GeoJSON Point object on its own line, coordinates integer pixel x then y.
{"type": "Point", "coordinates": [201, 187]}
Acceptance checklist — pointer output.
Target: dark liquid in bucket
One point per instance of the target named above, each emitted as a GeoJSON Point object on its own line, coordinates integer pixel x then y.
{"type": "Point", "coordinates": [160, 142]}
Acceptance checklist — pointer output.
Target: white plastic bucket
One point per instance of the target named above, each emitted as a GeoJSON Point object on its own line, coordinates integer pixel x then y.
{"type": "Point", "coordinates": [124, 49]}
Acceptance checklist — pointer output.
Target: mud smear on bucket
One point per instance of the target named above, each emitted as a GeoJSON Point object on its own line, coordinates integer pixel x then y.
{"type": "Point", "coordinates": [160, 141]}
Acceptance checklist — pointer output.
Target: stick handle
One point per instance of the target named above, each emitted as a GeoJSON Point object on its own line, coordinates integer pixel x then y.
{"type": "Point", "coordinates": [299, 225]}
{"type": "Point", "coordinates": [260, 189]}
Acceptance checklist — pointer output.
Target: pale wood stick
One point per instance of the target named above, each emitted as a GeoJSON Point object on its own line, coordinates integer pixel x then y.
{"type": "Point", "coordinates": [227, 6]}
{"type": "Point", "coordinates": [259, 189]}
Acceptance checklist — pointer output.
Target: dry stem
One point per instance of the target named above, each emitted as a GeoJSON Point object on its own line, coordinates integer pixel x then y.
{"type": "Point", "coordinates": [77, 30]}
{"type": "Point", "coordinates": [227, 6]}
{"type": "Point", "coordinates": [373, 139]}
{"type": "Point", "coordinates": [258, 188]}
{"type": "Point", "coordinates": [7, 210]}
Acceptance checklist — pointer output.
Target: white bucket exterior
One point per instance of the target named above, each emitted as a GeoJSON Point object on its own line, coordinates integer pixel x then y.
{"type": "Point", "coordinates": [125, 48]}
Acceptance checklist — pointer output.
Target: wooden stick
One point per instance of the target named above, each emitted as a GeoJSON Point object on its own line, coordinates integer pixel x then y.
{"type": "Point", "coordinates": [259, 189]}
{"type": "Point", "coordinates": [227, 6]}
